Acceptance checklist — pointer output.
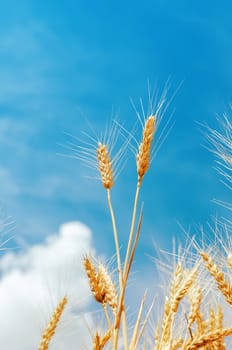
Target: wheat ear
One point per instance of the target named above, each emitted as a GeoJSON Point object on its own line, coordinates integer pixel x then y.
{"type": "Point", "coordinates": [171, 304]}
{"type": "Point", "coordinates": [168, 312]}
{"type": "Point", "coordinates": [219, 277]}
{"type": "Point", "coordinates": [182, 291]}
{"type": "Point", "coordinates": [195, 297]}
{"type": "Point", "coordinates": [143, 156]}
{"type": "Point", "coordinates": [101, 284]}
{"type": "Point", "coordinates": [100, 342]}
{"type": "Point", "coordinates": [176, 344]}
{"type": "Point", "coordinates": [177, 278]}
{"type": "Point", "coordinates": [51, 327]}
{"type": "Point", "coordinates": [212, 320]}
{"type": "Point", "coordinates": [105, 166]}
{"type": "Point", "coordinates": [207, 339]}
{"type": "Point", "coordinates": [107, 285]}
{"type": "Point", "coordinates": [219, 344]}
{"type": "Point", "coordinates": [201, 323]}
{"type": "Point", "coordinates": [92, 274]}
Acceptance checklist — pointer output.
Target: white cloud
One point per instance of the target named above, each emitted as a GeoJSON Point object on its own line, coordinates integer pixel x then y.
{"type": "Point", "coordinates": [33, 282]}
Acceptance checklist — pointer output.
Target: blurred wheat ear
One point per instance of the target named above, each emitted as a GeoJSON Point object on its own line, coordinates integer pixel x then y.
{"type": "Point", "coordinates": [52, 325]}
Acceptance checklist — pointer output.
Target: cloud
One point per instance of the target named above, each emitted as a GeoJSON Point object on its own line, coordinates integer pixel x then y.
{"type": "Point", "coordinates": [33, 282]}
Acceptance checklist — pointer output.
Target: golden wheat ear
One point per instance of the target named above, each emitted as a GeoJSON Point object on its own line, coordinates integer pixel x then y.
{"type": "Point", "coordinates": [201, 341]}
{"type": "Point", "coordinates": [144, 152]}
{"type": "Point", "coordinates": [100, 342]}
{"type": "Point", "coordinates": [92, 275]}
{"type": "Point", "coordinates": [52, 325]}
{"type": "Point", "coordinates": [105, 166]}
{"type": "Point", "coordinates": [101, 284]}
{"type": "Point", "coordinates": [195, 296]}
{"type": "Point", "coordinates": [222, 284]}
{"type": "Point", "coordinates": [108, 286]}
{"type": "Point", "coordinates": [182, 282]}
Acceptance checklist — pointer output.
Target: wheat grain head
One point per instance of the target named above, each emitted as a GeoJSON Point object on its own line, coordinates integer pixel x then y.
{"type": "Point", "coordinates": [52, 325]}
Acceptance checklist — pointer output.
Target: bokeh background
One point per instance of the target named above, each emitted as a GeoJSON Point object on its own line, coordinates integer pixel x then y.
{"type": "Point", "coordinates": [68, 67]}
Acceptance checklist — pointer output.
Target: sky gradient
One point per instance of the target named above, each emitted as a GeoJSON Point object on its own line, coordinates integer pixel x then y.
{"type": "Point", "coordinates": [67, 65]}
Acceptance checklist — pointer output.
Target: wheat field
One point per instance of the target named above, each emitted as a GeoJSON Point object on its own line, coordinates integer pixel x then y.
{"type": "Point", "coordinates": [196, 306]}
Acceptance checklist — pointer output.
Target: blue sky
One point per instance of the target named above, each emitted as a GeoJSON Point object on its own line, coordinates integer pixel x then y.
{"type": "Point", "coordinates": [60, 61]}
{"type": "Point", "coordinates": [65, 65]}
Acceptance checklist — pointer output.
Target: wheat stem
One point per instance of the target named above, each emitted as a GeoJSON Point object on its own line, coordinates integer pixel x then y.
{"type": "Point", "coordinates": [122, 295]}
{"type": "Point", "coordinates": [115, 232]}
{"type": "Point", "coordinates": [145, 322]}
{"type": "Point", "coordinates": [132, 228]}
{"type": "Point", "coordinates": [107, 316]}
{"type": "Point", "coordinates": [134, 338]}
{"type": "Point", "coordinates": [124, 323]}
